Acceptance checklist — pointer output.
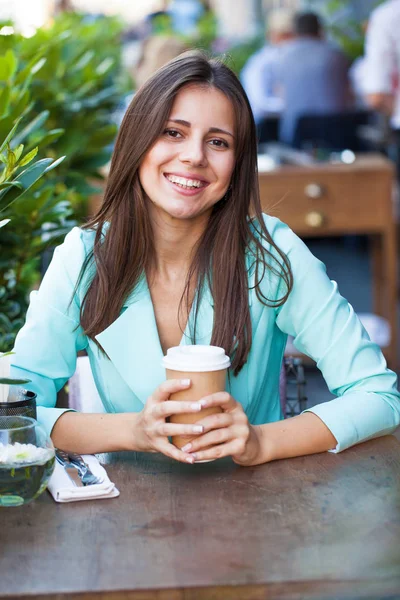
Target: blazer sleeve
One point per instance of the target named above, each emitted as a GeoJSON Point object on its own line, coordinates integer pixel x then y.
{"type": "Point", "coordinates": [326, 328]}
{"type": "Point", "coordinates": [46, 347]}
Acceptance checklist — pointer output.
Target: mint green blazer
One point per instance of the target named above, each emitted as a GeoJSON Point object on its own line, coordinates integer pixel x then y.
{"type": "Point", "coordinates": [323, 324]}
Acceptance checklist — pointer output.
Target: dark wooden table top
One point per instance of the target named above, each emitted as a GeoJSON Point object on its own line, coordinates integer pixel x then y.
{"type": "Point", "coordinates": [323, 526]}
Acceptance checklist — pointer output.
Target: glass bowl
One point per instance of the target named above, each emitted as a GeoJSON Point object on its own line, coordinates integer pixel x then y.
{"type": "Point", "coordinates": [27, 459]}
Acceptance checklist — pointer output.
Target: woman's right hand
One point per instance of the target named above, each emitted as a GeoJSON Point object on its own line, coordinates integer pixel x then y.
{"type": "Point", "coordinates": [152, 426]}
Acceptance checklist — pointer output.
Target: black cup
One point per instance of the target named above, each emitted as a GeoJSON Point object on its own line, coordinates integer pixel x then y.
{"type": "Point", "coordinates": [20, 402]}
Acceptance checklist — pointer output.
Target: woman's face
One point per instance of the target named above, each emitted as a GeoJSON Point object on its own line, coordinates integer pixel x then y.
{"type": "Point", "coordinates": [189, 168]}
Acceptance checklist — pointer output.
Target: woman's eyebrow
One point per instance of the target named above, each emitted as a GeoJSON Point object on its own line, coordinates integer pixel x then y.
{"type": "Point", "coordinates": [211, 130]}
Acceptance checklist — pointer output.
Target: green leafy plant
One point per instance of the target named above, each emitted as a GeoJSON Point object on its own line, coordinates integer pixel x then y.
{"type": "Point", "coordinates": [77, 88]}
{"type": "Point", "coordinates": [58, 92]}
{"type": "Point", "coordinates": [25, 199]}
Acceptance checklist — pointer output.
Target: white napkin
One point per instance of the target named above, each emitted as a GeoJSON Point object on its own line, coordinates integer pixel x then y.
{"type": "Point", "coordinates": [64, 490]}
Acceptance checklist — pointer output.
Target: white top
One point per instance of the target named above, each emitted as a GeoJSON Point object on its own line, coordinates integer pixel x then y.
{"type": "Point", "coordinates": [382, 50]}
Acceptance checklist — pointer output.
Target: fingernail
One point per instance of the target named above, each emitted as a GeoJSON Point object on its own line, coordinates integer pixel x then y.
{"type": "Point", "coordinates": [186, 448]}
{"type": "Point", "coordinates": [197, 428]}
{"type": "Point", "coordinates": [190, 460]}
{"type": "Point", "coordinates": [203, 402]}
{"type": "Point", "coordinates": [185, 381]}
{"type": "Point", "coordinates": [196, 406]}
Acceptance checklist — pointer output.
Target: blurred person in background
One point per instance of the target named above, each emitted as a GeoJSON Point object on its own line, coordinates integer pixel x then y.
{"type": "Point", "coordinates": [313, 75]}
{"type": "Point", "coordinates": [156, 52]}
{"type": "Point", "coordinates": [381, 69]}
{"type": "Point", "coordinates": [259, 75]}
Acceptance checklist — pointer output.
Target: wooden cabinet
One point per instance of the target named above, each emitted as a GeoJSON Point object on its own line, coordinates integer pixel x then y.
{"type": "Point", "coordinates": [338, 199]}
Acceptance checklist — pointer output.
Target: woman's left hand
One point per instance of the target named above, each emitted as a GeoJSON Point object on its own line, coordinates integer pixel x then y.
{"type": "Point", "coordinates": [228, 433]}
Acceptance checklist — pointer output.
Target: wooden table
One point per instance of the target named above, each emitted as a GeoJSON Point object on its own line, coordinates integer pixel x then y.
{"type": "Point", "coordinates": [323, 526]}
{"type": "Point", "coordinates": [338, 199]}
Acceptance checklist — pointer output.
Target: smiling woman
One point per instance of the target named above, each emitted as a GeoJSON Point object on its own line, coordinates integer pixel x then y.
{"type": "Point", "coordinates": [180, 253]}
{"type": "Point", "coordinates": [194, 158]}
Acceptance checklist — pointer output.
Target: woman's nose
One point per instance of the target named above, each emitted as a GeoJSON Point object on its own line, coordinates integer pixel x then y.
{"type": "Point", "coordinates": [194, 153]}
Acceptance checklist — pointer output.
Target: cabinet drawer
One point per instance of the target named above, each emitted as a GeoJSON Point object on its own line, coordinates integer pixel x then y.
{"type": "Point", "coordinates": [320, 202]}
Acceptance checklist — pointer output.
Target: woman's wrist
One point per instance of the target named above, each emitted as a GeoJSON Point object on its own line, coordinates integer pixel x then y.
{"type": "Point", "coordinates": [254, 453]}
{"type": "Point", "coordinates": [133, 438]}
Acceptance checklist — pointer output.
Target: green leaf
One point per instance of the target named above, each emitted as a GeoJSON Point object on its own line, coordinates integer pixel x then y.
{"type": "Point", "coordinates": [47, 138]}
{"type": "Point", "coordinates": [12, 62]}
{"type": "Point", "coordinates": [4, 222]}
{"type": "Point", "coordinates": [9, 184]}
{"type": "Point", "coordinates": [14, 381]}
{"type": "Point", "coordinates": [55, 164]}
{"type": "Point", "coordinates": [18, 151]}
{"type": "Point", "coordinates": [85, 59]}
{"type": "Point", "coordinates": [9, 136]}
{"type": "Point", "coordinates": [30, 128]}
{"type": "Point", "coordinates": [5, 100]}
{"type": "Point", "coordinates": [22, 106]}
{"type": "Point", "coordinates": [28, 157]}
{"type": "Point", "coordinates": [27, 178]}
{"type": "Point", "coordinates": [105, 66]}
{"type": "Point", "coordinates": [5, 71]}
{"type": "Point", "coordinates": [33, 67]}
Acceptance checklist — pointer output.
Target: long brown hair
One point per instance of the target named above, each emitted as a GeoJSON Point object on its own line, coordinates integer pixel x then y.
{"type": "Point", "coordinates": [123, 248]}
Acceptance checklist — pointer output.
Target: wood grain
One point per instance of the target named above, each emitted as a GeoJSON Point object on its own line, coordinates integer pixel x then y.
{"type": "Point", "coordinates": [323, 526]}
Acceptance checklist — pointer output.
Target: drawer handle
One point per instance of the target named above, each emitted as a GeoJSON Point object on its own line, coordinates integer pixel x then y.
{"type": "Point", "coordinates": [315, 219]}
{"type": "Point", "coordinates": [314, 190]}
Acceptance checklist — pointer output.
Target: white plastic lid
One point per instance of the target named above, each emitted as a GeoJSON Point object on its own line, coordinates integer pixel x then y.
{"type": "Point", "coordinates": [196, 359]}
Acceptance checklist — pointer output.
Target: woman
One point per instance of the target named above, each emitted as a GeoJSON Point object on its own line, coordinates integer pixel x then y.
{"type": "Point", "coordinates": [173, 257]}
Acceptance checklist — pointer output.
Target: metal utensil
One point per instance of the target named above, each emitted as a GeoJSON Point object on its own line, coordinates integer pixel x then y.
{"type": "Point", "coordinates": [70, 469]}
{"type": "Point", "coordinates": [86, 475]}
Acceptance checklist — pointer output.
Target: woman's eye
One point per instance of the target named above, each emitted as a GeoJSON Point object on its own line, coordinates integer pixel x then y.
{"type": "Point", "coordinates": [172, 133]}
{"type": "Point", "coordinates": [219, 143]}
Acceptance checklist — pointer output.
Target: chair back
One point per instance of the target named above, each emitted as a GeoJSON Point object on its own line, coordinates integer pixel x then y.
{"type": "Point", "coordinates": [336, 131]}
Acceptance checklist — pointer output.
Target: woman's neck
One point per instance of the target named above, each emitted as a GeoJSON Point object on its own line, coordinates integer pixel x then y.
{"type": "Point", "coordinates": [174, 242]}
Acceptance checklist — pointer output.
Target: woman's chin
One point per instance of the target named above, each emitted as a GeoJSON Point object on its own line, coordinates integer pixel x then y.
{"type": "Point", "coordinates": [177, 211]}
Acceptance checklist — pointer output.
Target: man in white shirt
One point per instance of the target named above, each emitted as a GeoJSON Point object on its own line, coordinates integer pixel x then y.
{"type": "Point", "coordinates": [258, 76]}
{"type": "Point", "coordinates": [382, 64]}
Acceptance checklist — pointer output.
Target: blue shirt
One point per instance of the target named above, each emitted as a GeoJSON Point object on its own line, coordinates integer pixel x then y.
{"type": "Point", "coordinates": [322, 322]}
{"type": "Point", "coordinates": [313, 77]}
{"type": "Point", "coordinates": [259, 79]}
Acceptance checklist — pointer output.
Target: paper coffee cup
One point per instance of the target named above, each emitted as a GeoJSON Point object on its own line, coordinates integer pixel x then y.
{"type": "Point", "coordinates": [206, 367]}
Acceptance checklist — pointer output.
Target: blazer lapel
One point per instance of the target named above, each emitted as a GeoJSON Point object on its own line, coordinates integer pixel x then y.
{"type": "Point", "coordinates": [133, 345]}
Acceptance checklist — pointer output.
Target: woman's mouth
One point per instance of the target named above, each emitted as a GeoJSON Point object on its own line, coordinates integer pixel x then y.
{"type": "Point", "coordinates": [186, 184]}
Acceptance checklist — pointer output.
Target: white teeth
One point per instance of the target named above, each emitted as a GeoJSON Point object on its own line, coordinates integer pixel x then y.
{"type": "Point", "coordinates": [184, 182]}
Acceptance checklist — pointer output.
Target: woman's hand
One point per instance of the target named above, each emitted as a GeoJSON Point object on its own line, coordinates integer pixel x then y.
{"type": "Point", "coordinates": [152, 429]}
{"type": "Point", "coordinates": [228, 433]}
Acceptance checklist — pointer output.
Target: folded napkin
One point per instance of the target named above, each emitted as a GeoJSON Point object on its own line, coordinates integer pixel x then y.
{"type": "Point", "coordinates": [64, 490]}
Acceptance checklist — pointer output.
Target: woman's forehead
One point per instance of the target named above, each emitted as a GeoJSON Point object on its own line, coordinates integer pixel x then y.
{"type": "Point", "coordinates": [201, 104]}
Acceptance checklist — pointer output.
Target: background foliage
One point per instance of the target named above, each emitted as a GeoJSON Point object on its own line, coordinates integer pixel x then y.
{"type": "Point", "coordinates": [60, 88]}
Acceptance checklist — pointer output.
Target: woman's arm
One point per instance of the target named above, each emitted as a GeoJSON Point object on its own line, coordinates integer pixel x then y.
{"type": "Point", "coordinates": [297, 436]}
{"type": "Point", "coordinates": [91, 433]}
{"type": "Point", "coordinates": [230, 434]}
{"type": "Point", "coordinates": [47, 345]}
{"type": "Point", "coordinates": [146, 431]}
